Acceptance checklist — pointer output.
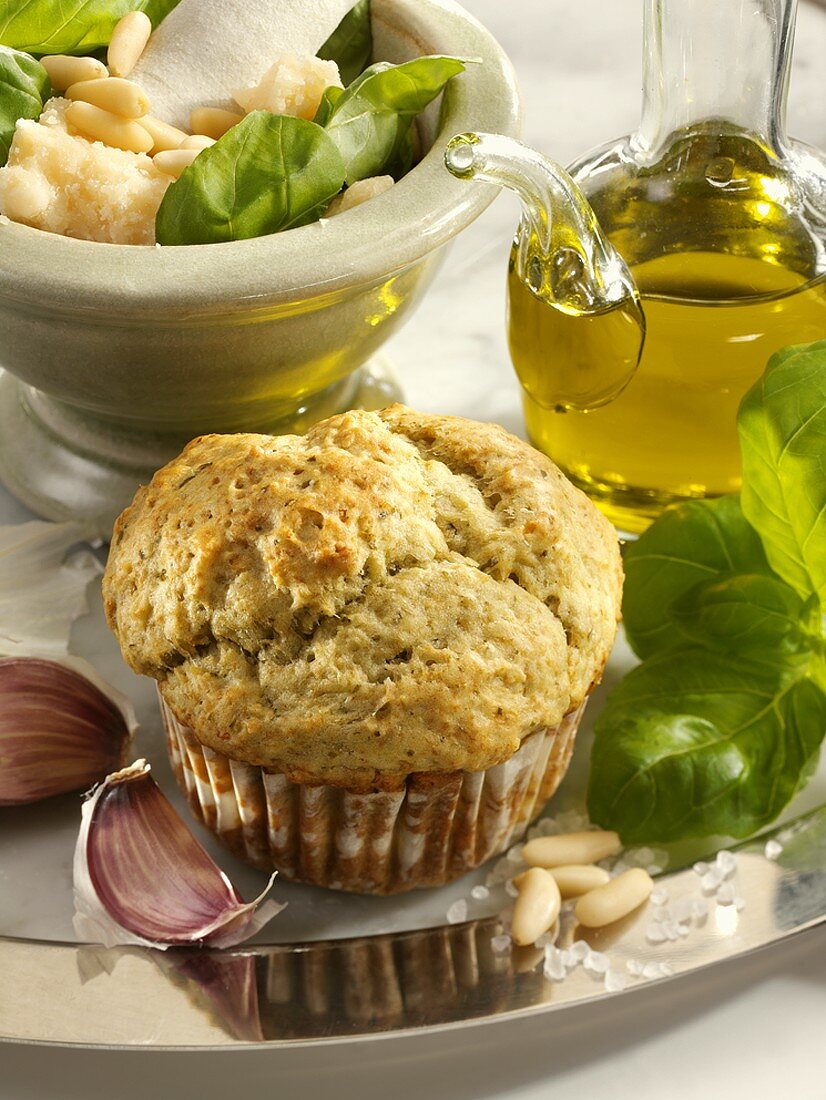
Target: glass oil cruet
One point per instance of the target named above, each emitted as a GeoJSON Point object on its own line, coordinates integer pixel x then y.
{"type": "Point", "coordinates": [649, 285]}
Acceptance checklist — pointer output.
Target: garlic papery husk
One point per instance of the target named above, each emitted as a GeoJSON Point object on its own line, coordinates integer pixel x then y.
{"type": "Point", "coordinates": [42, 586]}
{"type": "Point", "coordinates": [62, 728]}
{"type": "Point", "coordinates": [141, 877]}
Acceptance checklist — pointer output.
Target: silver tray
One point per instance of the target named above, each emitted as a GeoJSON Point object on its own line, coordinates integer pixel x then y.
{"type": "Point", "coordinates": [374, 986]}
{"type": "Point", "coordinates": [335, 967]}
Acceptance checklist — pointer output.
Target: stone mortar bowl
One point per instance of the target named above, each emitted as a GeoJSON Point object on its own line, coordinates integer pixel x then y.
{"type": "Point", "coordinates": [115, 355]}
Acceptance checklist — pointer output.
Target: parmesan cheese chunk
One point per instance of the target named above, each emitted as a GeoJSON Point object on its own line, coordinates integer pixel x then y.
{"type": "Point", "coordinates": [292, 85]}
{"type": "Point", "coordinates": [202, 52]}
{"type": "Point", "coordinates": [63, 183]}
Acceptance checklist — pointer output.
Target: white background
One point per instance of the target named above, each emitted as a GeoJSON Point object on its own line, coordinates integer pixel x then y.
{"type": "Point", "coordinates": [750, 1029]}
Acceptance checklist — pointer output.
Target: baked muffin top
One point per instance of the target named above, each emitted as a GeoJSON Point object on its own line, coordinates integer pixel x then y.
{"type": "Point", "coordinates": [390, 593]}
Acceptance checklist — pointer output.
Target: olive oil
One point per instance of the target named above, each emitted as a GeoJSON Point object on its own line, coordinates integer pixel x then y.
{"type": "Point", "coordinates": [712, 322]}
{"type": "Point", "coordinates": [595, 352]}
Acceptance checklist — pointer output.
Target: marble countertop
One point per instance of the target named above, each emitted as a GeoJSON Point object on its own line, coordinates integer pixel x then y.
{"type": "Point", "coordinates": [749, 1029]}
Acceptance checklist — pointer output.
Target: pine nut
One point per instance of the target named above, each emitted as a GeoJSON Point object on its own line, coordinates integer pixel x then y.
{"type": "Point", "coordinates": [537, 906]}
{"type": "Point", "coordinates": [100, 125]}
{"type": "Point", "coordinates": [173, 161]}
{"type": "Point", "coordinates": [212, 121]}
{"type": "Point", "coordinates": [559, 851]}
{"type": "Point", "coordinates": [616, 899]}
{"type": "Point", "coordinates": [197, 141]}
{"type": "Point", "coordinates": [163, 134]}
{"type": "Point", "coordinates": [128, 42]}
{"type": "Point", "coordinates": [65, 71]}
{"type": "Point", "coordinates": [579, 878]}
{"type": "Point", "coordinates": [122, 97]}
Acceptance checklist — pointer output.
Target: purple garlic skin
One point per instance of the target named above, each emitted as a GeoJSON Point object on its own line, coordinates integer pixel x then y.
{"type": "Point", "coordinates": [59, 731]}
{"type": "Point", "coordinates": [141, 877]}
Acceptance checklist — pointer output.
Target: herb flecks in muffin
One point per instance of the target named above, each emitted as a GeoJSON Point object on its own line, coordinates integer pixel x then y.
{"type": "Point", "coordinates": [391, 593]}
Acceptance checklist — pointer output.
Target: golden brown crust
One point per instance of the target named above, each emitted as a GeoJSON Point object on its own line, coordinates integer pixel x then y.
{"type": "Point", "coordinates": [391, 593]}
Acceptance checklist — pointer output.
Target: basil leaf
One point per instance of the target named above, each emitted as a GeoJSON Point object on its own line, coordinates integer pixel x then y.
{"type": "Point", "coordinates": [329, 99]}
{"type": "Point", "coordinates": [351, 43]}
{"type": "Point", "coordinates": [268, 173]}
{"type": "Point", "coordinates": [688, 543]}
{"type": "Point", "coordinates": [747, 614]}
{"type": "Point", "coordinates": [24, 88]}
{"type": "Point", "coordinates": [370, 120]}
{"type": "Point", "coordinates": [157, 10]}
{"type": "Point", "coordinates": [689, 745]}
{"type": "Point", "coordinates": [404, 155]}
{"type": "Point", "coordinates": [782, 425]}
{"type": "Point", "coordinates": [70, 26]}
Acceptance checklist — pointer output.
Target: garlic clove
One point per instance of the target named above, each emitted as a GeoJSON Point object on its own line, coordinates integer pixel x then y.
{"type": "Point", "coordinates": [141, 877]}
{"type": "Point", "coordinates": [62, 728]}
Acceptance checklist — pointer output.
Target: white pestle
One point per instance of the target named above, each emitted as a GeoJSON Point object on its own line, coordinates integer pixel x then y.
{"type": "Point", "coordinates": [206, 49]}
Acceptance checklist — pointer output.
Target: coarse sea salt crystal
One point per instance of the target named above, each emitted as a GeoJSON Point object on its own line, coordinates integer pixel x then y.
{"type": "Point", "coordinates": [655, 933]}
{"type": "Point", "coordinates": [615, 981]}
{"type": "Point", "coordinates": [710, 882]}
{"type": "Point", "coordinates": [579, 950]}
{"type": "Point", "coordinates": [682, 909]}
{"type": "Point", "coordinates": [573, 821]}
{"type": "Point", "coordinates": [597, 962]}
{"type": "Point", "coordinates": [500, 871]}
{"type": "Point", "coordinates": [739, 904]}
{"type": "Point", "coordinates": [457, 912]}
{"type": "Point", "coordinates": [726, 863]}
{"type": "Point", "coordinates": [657, 970]}
{"type": "Point", "coordinates": [726, 894]}
{"type": "Point", "coordinates": [514, 854]}
{"type": "Point", "coordinates": [643, 856]}
{"type": "Point", "coordinates": [479, 893]}
{"type": "Point", "coordinates": [634, 967]}
{"type": "Point", "coordinates": [659, 897]}
{"type": "Point", "coordinates": [511, 889]}
{"type": "Point", "coordinates": [700, 868]}
{"type": "Point", "coordinates": [500, 944]}
{"type": "Point", "coordinates": [699, 909]}
{"type": "Point", "coordinates": [554, 966]}
{"type": "Point", "coordinates": [772, 849]}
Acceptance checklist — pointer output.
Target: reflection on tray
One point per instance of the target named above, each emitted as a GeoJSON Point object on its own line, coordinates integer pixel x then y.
{"type": "Point", "coordinates": [378, 984]}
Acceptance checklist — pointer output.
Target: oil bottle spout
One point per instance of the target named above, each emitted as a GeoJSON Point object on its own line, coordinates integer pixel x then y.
{"type": "Point", "coordinates": [562, 259]}
{"type": "Point", "coordinates": [562, 252]}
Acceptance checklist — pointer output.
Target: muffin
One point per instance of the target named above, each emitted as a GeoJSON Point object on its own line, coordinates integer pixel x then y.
{"type": "Point", "coordinates": [373, 643]}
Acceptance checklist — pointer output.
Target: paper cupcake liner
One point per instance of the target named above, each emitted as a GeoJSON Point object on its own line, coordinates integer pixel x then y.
{"type": "Point", "coordinates": [436, 828]}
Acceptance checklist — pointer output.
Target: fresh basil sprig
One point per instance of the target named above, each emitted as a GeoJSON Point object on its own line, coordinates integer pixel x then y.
{"type": "Point", "coordinates": [693, 542]}
{"type": "Point", "coordinates": [782, 426]}
{"type": "Point", "coordinates": [268, 173]}
{"type": "Point", "coordinates": [691, 744]}
{"type": "Point", "coordinates": [24, 88]}
{"type": "Point", "coordinates": [69, 26]}
{"type": "Point", "coordinates": [351, 43]}
{"type": "Point", "coordinates": [722, 722]}
{"type": "Point", "coordinates": [370, 121]}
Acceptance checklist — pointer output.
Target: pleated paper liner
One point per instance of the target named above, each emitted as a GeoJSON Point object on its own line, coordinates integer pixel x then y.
{"type": "Point", "coordinates": [435, 829]}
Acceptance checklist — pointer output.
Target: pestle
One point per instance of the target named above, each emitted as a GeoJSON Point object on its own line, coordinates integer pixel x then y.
{"type": "Point", "coordinates": [203, 52]}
